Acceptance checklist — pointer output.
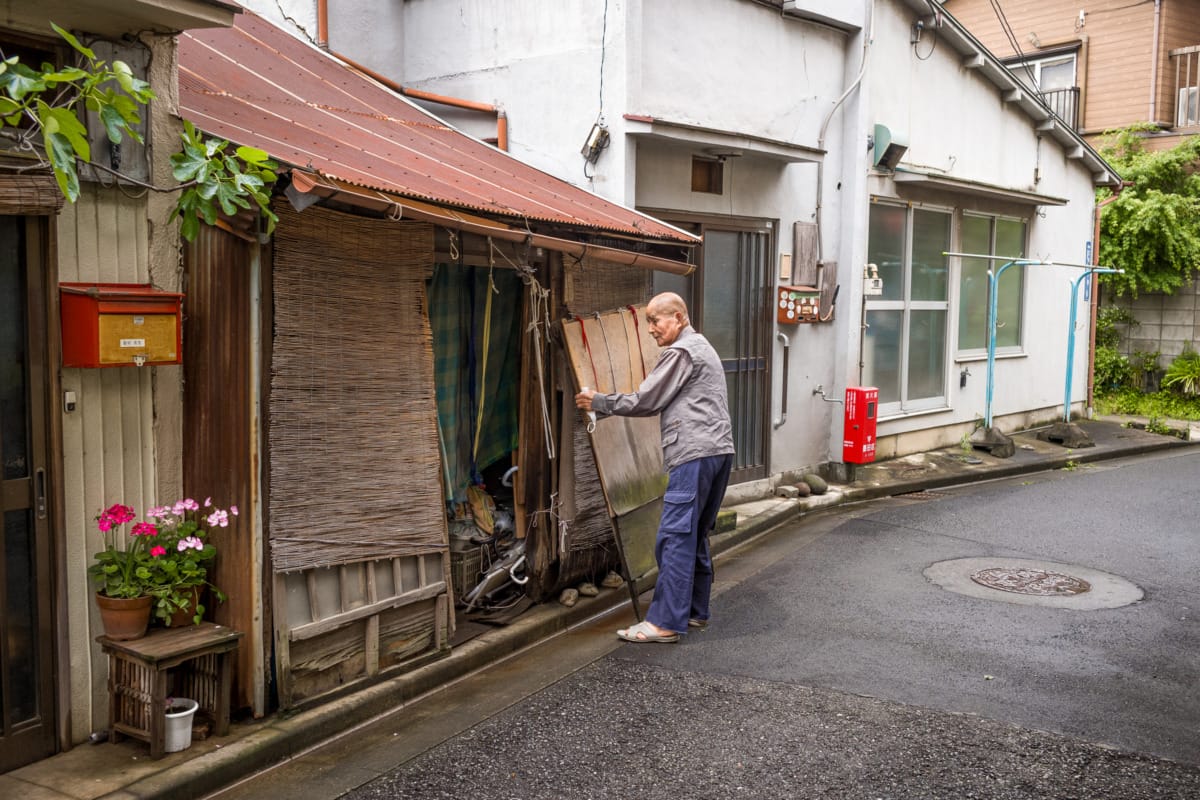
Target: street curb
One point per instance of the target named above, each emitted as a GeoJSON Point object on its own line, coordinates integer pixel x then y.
{"type": "Point", "coordinates": [285, 735]}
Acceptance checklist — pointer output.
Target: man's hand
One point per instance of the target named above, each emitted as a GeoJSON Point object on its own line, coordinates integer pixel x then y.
{"type": "Point", "coordinates": [584, 399]}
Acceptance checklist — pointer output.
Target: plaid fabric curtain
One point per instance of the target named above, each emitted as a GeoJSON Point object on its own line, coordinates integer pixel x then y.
{"type": "Point", "coordinates": [458, 298]}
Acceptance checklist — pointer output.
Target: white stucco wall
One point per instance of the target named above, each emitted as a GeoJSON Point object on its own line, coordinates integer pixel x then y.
{"type": "Point", "coordinates": [956, 123]}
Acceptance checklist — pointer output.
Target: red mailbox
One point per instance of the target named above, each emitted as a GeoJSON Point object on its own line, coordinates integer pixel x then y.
{"type": "Point", "coordinates": [120, 325]}
{"type": "Point", "coordinates": [858, 438]}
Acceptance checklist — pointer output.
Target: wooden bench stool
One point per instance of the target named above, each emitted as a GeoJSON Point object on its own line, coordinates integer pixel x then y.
{"type": "Point", "coordinates": [196, 657]}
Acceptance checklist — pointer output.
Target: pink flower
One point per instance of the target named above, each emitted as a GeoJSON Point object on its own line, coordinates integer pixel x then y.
{"type": "Point", "coordinates": [158, 550]}
{"type": "Point", "coordinates": [104, 523]}
{"type": "Point", "coordinates": [190, 543]}
{"type": "Point", "coordinates": [158, 512]}
{"type": "Point", "coordinates": [119, 514]}
{"type": "Point", "coordinates": [218, 518]}
{"type": "Point", "coordinates": [144, 529]}
{"type": "Point", "coordinates": [233, 510]}
{"type": "Point", "coordinates": [207, 502]}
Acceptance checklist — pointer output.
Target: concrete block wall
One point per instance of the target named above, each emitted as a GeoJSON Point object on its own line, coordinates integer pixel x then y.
{"type": "Point", "coordinates": [1166, 323]}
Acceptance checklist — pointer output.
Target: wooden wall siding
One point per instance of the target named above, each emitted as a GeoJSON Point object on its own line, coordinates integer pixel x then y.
{"type": "Point", "coordinates": [217, 447]}
{"type": "Point", "coordinates": [358, 538]}
{"type": "Point", "coordinates": [358, 620]}
{"type": "Point", "coordinates": [108, 441]}
{"type": "Point", "coordinates": [355, 464]}
{"type": "Point", "coordinates": [1181, 29]}
{"type": "Point", "coordinates": [1116, 75]}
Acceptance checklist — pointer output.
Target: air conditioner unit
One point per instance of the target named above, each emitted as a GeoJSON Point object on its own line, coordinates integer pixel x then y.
{"type": "Point", "coordinates": [1187, 110]}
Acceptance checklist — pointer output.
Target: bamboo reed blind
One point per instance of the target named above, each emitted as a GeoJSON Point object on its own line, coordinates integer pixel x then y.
{"type": "Point", "coordinates": [29, 194]}
{"type": "Point", "coordinates": [354, 469]}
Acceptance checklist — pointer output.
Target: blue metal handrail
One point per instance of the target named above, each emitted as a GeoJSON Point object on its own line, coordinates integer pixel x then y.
{"type": "Point", "coordinates": [1071, 333]}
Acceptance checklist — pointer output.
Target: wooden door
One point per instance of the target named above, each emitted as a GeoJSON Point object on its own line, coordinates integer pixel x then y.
{"type": "Point", "coordinates": [27, 699]}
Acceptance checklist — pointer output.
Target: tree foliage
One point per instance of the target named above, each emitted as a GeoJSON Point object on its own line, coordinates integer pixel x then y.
{"type": "Point", "coordinates": [40, 114]}
{"type": "Point", "coordinates": [1152, 229]}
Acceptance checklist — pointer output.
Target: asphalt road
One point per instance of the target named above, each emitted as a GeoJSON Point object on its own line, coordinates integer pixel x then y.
{"type": "Point", "coordinates": [835, 669]}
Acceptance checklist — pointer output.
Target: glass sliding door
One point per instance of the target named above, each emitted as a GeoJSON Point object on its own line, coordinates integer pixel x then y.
{"type": "Point", "coordinates": [905, 344]}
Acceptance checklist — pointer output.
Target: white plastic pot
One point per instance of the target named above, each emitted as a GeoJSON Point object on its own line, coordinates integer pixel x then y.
{"type": "Point", "coordinates": [179, 724]}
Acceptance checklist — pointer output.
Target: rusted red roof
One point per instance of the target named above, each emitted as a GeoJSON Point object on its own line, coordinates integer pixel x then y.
{"type": "Point", "coordinates": [256, 85]}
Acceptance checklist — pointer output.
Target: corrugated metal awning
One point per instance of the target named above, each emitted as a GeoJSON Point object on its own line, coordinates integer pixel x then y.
{"type": "Point", "coordinates": [256, 85]}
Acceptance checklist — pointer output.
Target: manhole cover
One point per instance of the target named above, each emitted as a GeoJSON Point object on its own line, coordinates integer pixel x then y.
{"type": "Point", "coordinates": [1037, 582]}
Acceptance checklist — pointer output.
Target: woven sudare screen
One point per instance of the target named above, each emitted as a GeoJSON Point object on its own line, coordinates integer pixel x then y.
{"type": "Point", "coordinates": [355, 470]}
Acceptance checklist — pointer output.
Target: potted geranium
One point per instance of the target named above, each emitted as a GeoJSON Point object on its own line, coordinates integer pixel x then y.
{"type": "Point", "coordinates": [181, 557]}
{"type": "Point", "coordinates": [125, 574]}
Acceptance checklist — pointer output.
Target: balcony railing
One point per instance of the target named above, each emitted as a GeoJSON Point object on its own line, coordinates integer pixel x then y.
{"type": "Point", "coordinates": [1064, 103]}
{"type": "Point", "coordinates": [1186, 61]}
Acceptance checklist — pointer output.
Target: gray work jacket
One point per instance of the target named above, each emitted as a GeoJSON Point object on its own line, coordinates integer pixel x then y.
{"type": "Point", "coordinates": [687, 389]}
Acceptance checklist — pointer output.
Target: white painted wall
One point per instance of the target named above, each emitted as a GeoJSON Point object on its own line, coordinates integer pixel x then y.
{"type": "Point", "coordinates": [956, 122]}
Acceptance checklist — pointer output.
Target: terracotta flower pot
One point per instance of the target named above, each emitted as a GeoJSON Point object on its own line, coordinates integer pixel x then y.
{"type": "Point", "coordinates": [124, 618]}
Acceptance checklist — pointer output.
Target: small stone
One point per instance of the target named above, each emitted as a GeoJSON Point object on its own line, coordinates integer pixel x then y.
{"type": "Point", "coordinates": [612, 581]}
{"type": "Point", "coordinates": [588, 589]}
{"type": "Point", "coordinates": [789, 492]}
{"type": "Point", "coordinates": [803, 489]}
{"type": "Point", "coordinates": [816, 483]}
{"type": "Point", "coordinates": [726, 520]}
{"type": "Point", "coordinates": [569, 597]}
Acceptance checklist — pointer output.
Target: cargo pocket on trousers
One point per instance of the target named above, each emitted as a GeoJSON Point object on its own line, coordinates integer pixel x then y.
{"type": "Point", "coordinates": [678, 508]}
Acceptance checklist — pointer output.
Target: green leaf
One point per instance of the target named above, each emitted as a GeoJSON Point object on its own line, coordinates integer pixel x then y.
{"type": "Point", "coordinates": [186, 164]}
{"type": "Point", "coordinates": [62, 161]}
{"type": "Point", "coordinates": [65, 75]}
{"type": "Point", "coordinates": [63, 121]}
{"type": "Point", "coordinates": [132, 85]}
{"type": "Point", "coordinates": [71, 40]}
{"type": "Point", "coordinates": [252, 155]}
{"type": "Point", "coordinates": [20, 81]}
{"type": "Point", "coordinates": [114, 123]}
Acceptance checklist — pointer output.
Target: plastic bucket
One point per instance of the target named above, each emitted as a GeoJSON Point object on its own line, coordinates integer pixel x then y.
{"type": "Point", "coordinates": [179, 724]}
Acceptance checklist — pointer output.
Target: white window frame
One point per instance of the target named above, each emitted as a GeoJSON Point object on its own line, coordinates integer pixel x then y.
{"type": "Point", "coordinates": [978, 353]}
{"type": "Point", "coordinates": [905, 305]}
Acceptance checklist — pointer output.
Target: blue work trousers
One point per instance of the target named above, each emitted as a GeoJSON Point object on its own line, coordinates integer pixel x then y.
{"type": "Point", "coordinates": [685, 572]}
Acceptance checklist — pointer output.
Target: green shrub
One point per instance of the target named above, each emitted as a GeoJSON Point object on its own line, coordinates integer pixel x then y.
{"type": "Point", "coordinates": [1184, 373]}
{"type": "Point", "coordinates": [1112, 370]}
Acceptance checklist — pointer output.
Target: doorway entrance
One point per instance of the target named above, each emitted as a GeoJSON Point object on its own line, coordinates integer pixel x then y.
{"type": "Point", "coordinates": [26, 647]}
{"type": "Point", "coordinates": [729, 297]}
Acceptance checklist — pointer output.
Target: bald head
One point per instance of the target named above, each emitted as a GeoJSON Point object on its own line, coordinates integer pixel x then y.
{"type": "Point", "coordinates": [667, 303]}
{"type": "Point", "coordinates": [668, 316]}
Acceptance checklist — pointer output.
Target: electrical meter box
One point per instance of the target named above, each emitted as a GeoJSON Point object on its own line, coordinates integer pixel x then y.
{"type": "Point", "coordinates": [120, 325]}
{"type": "Point", "coordinates": [797, 304]}
{"type": "Point", "coordinates": [858, 437]}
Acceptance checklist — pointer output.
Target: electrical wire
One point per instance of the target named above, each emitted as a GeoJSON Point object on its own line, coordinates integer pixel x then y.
{"type": "Point", "coordinates": [1012, 40]}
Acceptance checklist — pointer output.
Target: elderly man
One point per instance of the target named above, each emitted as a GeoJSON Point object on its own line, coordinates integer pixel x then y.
{"type": "Point", "coordinates": [687, 388]}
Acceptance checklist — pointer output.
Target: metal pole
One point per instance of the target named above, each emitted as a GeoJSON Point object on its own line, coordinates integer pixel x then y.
{"type": "Point", "coordinates": [1071, 334]}
{"type": "Point", "coordinates": [993, 289]}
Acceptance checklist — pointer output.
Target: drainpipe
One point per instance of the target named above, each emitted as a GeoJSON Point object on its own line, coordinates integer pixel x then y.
{"type": "Point", "coordinates": [1095, 304]}
{"type": "Point", "coordinates": [429, 97]}
{"type": "Point", "coordinates": [1154, 63]}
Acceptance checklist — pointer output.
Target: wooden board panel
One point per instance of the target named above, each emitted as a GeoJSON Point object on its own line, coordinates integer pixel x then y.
{"type": "Point", "coordinates": [628, 450]}
{"type": "Point", "coordinates": [611, 352]}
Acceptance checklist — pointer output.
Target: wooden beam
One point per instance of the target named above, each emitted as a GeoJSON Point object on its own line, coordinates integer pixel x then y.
{"type": "Point", "coordinates": [974, 61]}
{"type": "Point", "coordinates": [1075, 152]}
{"type": "Point", "coordinates": [1013, 96]}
